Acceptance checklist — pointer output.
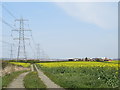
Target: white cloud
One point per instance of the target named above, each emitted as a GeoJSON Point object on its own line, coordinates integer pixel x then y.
{"type": "Point", "coordinates": [100, 14]}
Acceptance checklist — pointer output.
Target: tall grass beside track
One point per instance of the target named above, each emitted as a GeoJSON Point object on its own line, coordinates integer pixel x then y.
{"type": "Point", "coordinates": [82, 74]}
{"type": "Point", "coordinates": [32, 80]}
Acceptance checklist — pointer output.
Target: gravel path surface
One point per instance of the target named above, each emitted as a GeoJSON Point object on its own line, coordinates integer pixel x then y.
{"type": "Point", "coordinates": [18, 82]}
{"type": "Point", "coordinates": [46, 80]}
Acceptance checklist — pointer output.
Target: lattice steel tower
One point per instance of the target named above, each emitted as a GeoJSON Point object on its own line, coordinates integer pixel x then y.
{"type": "Point", "coordinates": [38, 51]}
{"type": "Point", "coordinates": [21, 53]}
{"type": "Point", "coordinates": [11, 52]}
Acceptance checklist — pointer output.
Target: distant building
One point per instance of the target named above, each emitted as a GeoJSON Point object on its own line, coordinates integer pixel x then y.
{"type": "Point", "coordinates": [70, 59]}
{"type": "Point", "coordinates": [90, 59]}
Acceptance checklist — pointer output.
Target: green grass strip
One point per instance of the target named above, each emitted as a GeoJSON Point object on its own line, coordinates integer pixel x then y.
{"type": "Point", "coordinates": [32, 80]}
{"type": "Point", "coordinates": [7, 79]}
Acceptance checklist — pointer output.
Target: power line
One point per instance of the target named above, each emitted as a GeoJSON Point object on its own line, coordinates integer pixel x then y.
{"type": "Point", "coordinates": [8, 11]}
{"type": "Point", "coordinates": [11, 52]}
{"type": "Point", "coordinates": [38, 51]}
{"type": "Point", "coordinates": [5, 42]}
{"type": "Point", "coordinates": [32, 49]}
{"type": "Point", "coordinates": [32, 36]}
{"type": "Point", "coordinates": [7, 24]}
{"type": "Point", "coordinates": [33, 39]}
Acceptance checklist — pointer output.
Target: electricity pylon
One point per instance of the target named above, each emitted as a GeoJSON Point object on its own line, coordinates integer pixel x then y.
{"type": "Point", "coordinates": [11, 52]}
{"type": "Point", "coordinates": [38, 51]}
{"type": "Point", "coordinates": [21, 55]}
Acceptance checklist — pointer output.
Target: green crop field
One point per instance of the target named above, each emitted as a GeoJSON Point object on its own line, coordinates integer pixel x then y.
{"type": "Point", "coordinates": [82, 74]}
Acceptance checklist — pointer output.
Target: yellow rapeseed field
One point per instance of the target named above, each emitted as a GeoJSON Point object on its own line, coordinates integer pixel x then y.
{"type": "Point", "coordinates": [80, 64]}
{"type": "Point", "coordinates": [82, 74]}
{"type": "Point", "coordinates": [21, 64]}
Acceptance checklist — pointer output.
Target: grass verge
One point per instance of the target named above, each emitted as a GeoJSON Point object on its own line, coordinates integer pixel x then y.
{"type": "Point", "coordinates": [32, 80]}
{"type": "Point", "coordinates": [7, 79]}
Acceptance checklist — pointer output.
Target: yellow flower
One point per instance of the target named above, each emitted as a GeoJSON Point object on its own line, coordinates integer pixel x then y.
{"type": "Point", "coordinates": [79, 64]}
{"type": "Point", "coordinates": [21, 64]}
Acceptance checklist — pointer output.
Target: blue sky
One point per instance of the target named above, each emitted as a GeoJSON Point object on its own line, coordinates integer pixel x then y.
{"type": "Point", "coordinates": [68, 30]}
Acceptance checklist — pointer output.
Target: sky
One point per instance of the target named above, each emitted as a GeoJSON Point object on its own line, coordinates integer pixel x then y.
{"type": "Point", "coordinates": [65, 29]}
